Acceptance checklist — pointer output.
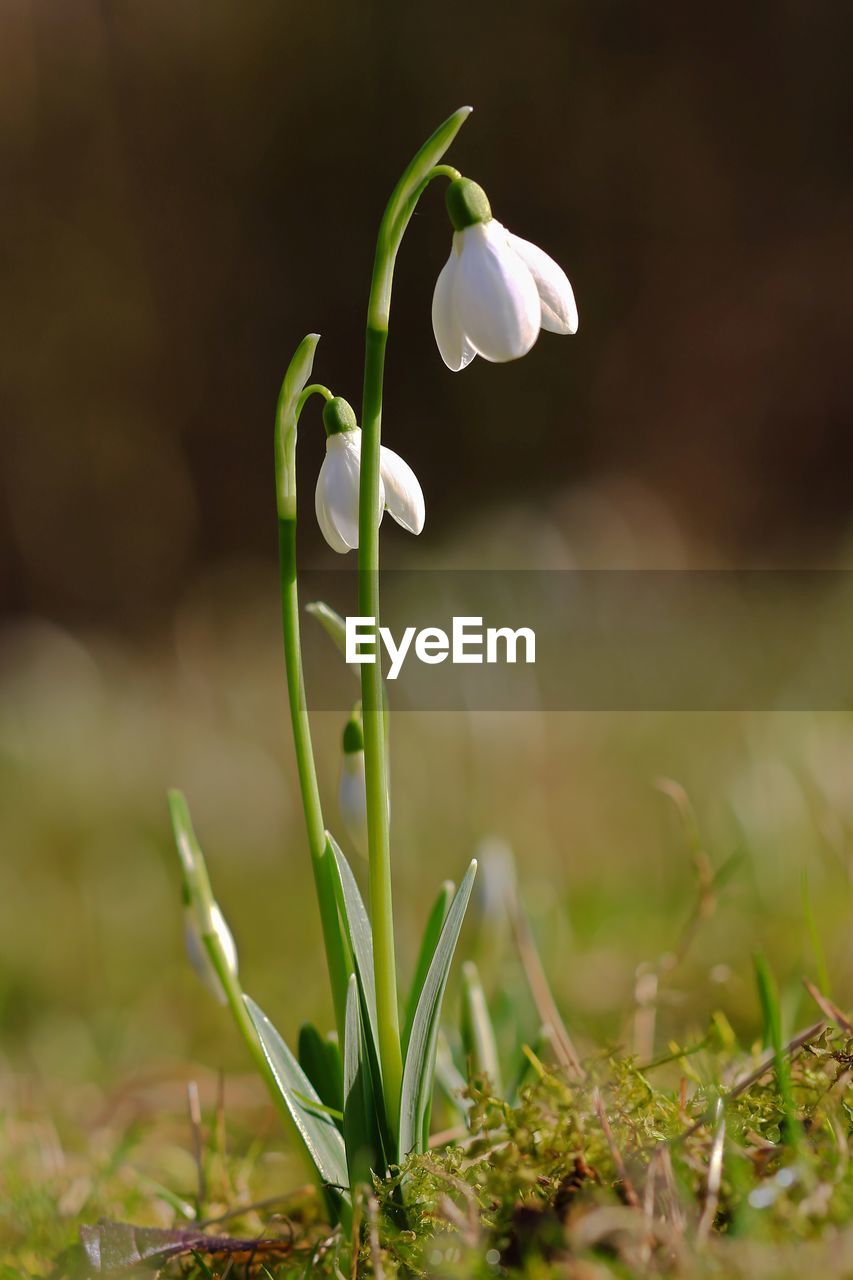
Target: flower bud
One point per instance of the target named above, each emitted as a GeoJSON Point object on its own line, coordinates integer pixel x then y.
{"type": "Point", "coordinates": [198, 954]}
{"type": "Point", "coordinates": [352, 788]}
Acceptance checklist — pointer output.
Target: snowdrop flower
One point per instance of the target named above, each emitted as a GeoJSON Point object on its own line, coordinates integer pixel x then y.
{"type": "Point", "coordinates": [352, 789]}
{"type": "Point", "coordinates": [336, 499]}
{"type": "Point", "coordinates": [495, 291]}
{"type": "Point", "coordinates": [198, 954]}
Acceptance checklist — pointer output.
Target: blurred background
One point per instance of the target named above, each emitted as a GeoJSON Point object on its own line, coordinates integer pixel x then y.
{"type": "Point", "coordinates": [188, 189]}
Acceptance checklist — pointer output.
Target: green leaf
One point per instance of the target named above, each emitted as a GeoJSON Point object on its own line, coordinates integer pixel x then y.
{"type": "Point", "coordinates": [360, 936]}
{"type": "Point", "coordinates": [316, 1128]}
{"type": "Point", "coordinates": [320, 1059]}
{"type": "Point", "coordinates": [416, 1100]}
{"type": "Point", "coordinates": [361, 1134]}
{"type": "Point", "coordinates": [478, 1033]}
{"type": "Point", "coordinates": [436, 919]}
{"type": "Point", "coordinates": [298, 373]}
{"type": "Point", "coordinates": [357, 926]}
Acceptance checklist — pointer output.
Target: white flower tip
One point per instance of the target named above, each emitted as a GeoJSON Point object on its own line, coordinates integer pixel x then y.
{"type": "Point", "coordinates": [559, 310]}
{"type": "Point", "coordinates": [404, 497]}
{"type": "Point", "coordinates": [352, 801]}
{"type": "Point", "coordinates": [454, 348]}
{"type": "Point", "coordinates": [198, 954]}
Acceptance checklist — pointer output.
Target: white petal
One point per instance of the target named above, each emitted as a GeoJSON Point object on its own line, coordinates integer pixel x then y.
{"type": "Point", "coordinates": [352, 800]}
{"type": "Point", "coordinates": [494, 294]}
{"type": "Point", "coordinates": [404, 497]}
{"type": "Point", "coordinates": [327, 529]}
{"type": "Point", "coordinates": [559, 310]}
{"type": "Point", "coordinates": [336, 496]}
{"type": "Point", "coordinates": [456, 351]}
{"type": "Point", "coordinates": [226, 939]}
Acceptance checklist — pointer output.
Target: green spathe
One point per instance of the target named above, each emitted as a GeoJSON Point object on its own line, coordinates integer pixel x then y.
{"type": "Point", "coordinates": [339, 416]}
{"type": "Point", "coordinates": [467, 204]}
{"type": "Point", "coordinates": [353, 736]}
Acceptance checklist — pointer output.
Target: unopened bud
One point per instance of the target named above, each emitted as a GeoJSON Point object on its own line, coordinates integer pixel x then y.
{"type": "Point", "coordinates": [199, 956]}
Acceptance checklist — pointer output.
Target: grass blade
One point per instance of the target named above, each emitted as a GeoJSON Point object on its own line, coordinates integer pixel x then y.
{"type": "Point", "coordinates": [435, 921]}
{"type": "Point", "coordinates": [416, 1099]}
{"type": "Point", "coordinates": [769, 997]}
{"type": "Point", "coordinates": [316, 1127]}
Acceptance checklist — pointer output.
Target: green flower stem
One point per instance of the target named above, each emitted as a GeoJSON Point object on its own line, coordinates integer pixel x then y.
{"type": "Point", "coordinates": [337, 950]}
{"type": "Point", "coordinates": [399, 210]}
{"type": "Point", "coordinates": [444, 171]}
{"type": "Point", "coordinates": [317, 389]}
{"type": "Point", "coordinates": [234, 995]}
{"type": "Point", "coordinates": [375, 746]}
{"type": "Point", "coordinates": [338, 955]}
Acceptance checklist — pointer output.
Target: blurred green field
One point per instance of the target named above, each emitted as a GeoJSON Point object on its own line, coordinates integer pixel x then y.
{"type": "Point", "coordinates": [97, 1004]}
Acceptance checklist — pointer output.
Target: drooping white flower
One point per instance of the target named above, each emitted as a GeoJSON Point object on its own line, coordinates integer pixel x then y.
{"type": "Point", "coordinates": [352, 787]}
{"type": "Point", "coordinates": [496, 291]}
{"type": "Point", "coordinates": [198, 954]}
{"type": "Point", "coordinates": [336, 497]}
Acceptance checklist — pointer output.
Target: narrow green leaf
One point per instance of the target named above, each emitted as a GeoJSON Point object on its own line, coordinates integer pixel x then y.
{"type": "Point", "coordinates": [334, 1112]}
{"type": "Point", "coordinates": [357, 926]}
{"type": "Point", "coordinates": [435, 921]}
{"type": "Point", "coordinates": [316, 1128]}
{"type": "Point", "coordinates": [320, 1059]}
{"type": "Point", "coordinates": [416, 1100]}
{"type": "Point", "coordinates": [360, 1128]}
{"type": "Point", "coordinates": [478, 1033]}
{"type": "Point", "coordinates": [360, 935]}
